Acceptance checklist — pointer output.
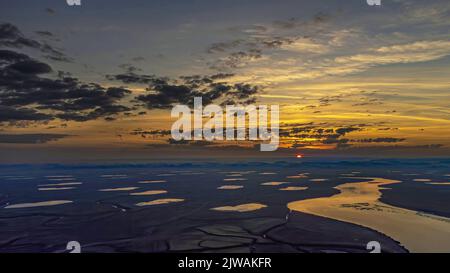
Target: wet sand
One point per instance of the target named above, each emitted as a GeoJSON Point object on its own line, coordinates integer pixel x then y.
{"type": "Point", "coordinates": [182, 219]}
{"type": "Point", "coordinates": [230, 187]}
{"type": "Point", "coordinates": [56, 189]}
{"type": "Point", "coordinates": [155, 192]}
{"type": "Point", "coordinates": [241, 208]}
{"type": "Point", "coordinates": [38, 204]}
{"type": "Point", "coordinates": [152, 181]}
{"type": "Point", "coordinates": [119, 189]}
{"type": "Point", "coordinates": [294, 189]}
{"type": "Point", "coordinates": [159, 202]}
{"type": "Point", "coordinates": [359, 203]}
{"type": "Point", "coordinates": [274, 183]}
{"type": "Point", "coordinates": [60, 184]}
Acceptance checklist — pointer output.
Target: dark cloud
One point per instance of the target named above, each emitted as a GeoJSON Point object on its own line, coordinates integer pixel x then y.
{"type": "Point", "coordinates": [130, 77]}
{"type": "Point", "coordinates": [35, 96]}
{"type": "Point", "coordinates": [150, 133]}
{"type": "Point", "coordinates": [224, 46]}
{"type": "Point", "coordinates": [332, 140]}
{"type": "Point", "coordinates": [166, 95]}
{"type": "Point", "coordinates": [197, 143]}
{"type": "Point", "coordinates": [13, 114]}
{"type": "Point", "coordinates": [311, 130]}
{"type": "Point", "coordinates": [387, 129]}
{"type": "Point", "coordinates": [12, 37]}
{"type": "Point", "coordinates": [10, 57]}
{"type": "Point", "coordinates": [300, 134]}
{"type": "Point", "coordinates": [28, 96]}
{"type": "Point", "coordinates": [178, 142]}
{"type": "Point", "coordinates": [240, 52]}
{"type": "Point", "coordinates": [129, 68]}
{"type": "Point", "coordinates": [387, 148]}
{"type": "Point", "coordinates": [30, 138]}
{"type": "Point", "coordinates": [345, 130]}
{"type": "Point", "coordinates": [344, 142]}
{"type": "Point", "coordinates": [29, 67]}
{"type": "Point", "coordinates": [164, 92]}
{"type": "Point", "coordinates": [292, 23]}
{"type": "Point", "coordinates": [138, 59]}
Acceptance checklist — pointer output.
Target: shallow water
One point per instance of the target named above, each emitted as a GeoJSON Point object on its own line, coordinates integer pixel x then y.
{"type": "Point", "coordinates": [38, 204]}
{"type": "Point", "coordinates": [120, 189]}
{"type": "Point", "coordinates": [359, 203]}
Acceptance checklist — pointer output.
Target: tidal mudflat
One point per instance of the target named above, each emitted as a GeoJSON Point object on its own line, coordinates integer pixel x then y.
{"type": "Point", "coordinates": [287, 206]}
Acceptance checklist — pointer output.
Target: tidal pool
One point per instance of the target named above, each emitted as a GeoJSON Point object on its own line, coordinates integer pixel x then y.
{"type": "Point", "coordinates": [359, 203]}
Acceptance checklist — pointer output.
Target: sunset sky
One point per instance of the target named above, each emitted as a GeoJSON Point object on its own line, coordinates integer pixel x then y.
{"type": "Point", "coordinates": [99, 80]}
